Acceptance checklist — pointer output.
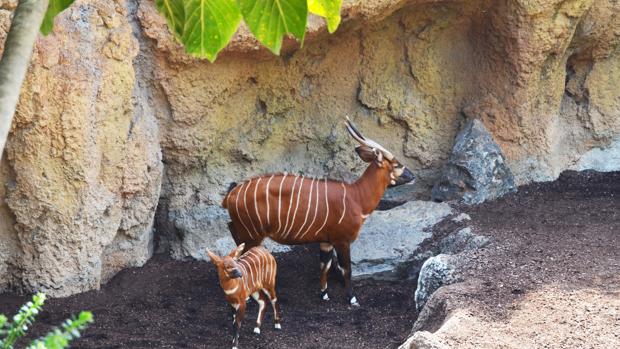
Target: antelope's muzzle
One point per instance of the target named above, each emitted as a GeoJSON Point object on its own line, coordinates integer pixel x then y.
{"type": "Point", "coordinates": [235, 274]}
{"type": "Point", "coordinates": [406, 177]}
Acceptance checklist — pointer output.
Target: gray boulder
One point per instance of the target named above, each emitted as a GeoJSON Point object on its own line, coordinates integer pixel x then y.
{"type": "Point", "coordinates": [205, 226]}
{"type": "Point", "coordinates": [462, 240]}
{"type": "Point", "coordinates": [389, 238]}
{"type": "Point", "coordinates": [436, 272]}
{"type": "Point", "coordinates": [476, 170]}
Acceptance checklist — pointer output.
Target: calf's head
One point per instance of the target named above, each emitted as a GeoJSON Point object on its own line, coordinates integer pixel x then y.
{"type": "Point", "coordinates": [370, 151]}
{"type": "Point", "coordinates": [227, 267]}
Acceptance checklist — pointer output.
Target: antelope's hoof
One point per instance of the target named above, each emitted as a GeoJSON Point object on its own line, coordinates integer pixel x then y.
{"type": "Point", "coordinates": [354, 302]}
{"type": "Point", "coordinates": [278, 327]}
{"type": "Point", "coordinates": [324, 295]}
{"type": "Point", "coordinates": [256, 330]}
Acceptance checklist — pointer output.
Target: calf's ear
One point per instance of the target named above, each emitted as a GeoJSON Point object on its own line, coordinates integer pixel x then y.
{"type": "Point", "coordinates": [214, 257]}
{"type": "Point", "coordinates": [236, 253]}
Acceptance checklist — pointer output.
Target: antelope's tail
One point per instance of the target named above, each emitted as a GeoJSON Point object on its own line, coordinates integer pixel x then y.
{"type": "Point", "coordinates": [231, 186]}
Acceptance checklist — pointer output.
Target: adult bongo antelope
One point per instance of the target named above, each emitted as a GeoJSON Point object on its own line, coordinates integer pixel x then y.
{"type": "Point", "coordinates": [251, 274]}
{"type": "Point", "coordinates": [293, 209]}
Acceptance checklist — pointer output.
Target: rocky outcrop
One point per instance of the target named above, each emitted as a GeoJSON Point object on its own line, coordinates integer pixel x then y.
{"type": "Point", "coordinates": [390, 238]}
{"type": "Point", "coordinates": [110, 94]}
{"type": "Point", "coordinates": [437, 271]}
{"type": "Point", "coordinates": [476, 170]}
{"type": "Point", "coordinates": [83, 163]}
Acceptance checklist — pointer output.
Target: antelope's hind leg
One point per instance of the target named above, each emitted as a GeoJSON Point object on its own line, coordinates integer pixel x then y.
{"type": "Point", "coordinates": [277, 315]}
{"type": "Point", "coordinates": [262, 300]}
{"type": "Point", "coordinates": [326, 255]}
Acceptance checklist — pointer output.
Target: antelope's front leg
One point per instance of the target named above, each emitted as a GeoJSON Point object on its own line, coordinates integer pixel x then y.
{"type": "Point", "coordinates": [262, 300]}
{"type": "Point", "coordinates": [326, 255]}
{"type": "Point", "coordinates": [239, 315]}
{"type": "Point", "coordinates": [344, 260]}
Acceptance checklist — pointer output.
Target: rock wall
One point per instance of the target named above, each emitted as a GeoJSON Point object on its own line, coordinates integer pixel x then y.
{"type": "Point", "coordinates": [83, 163]}
{"type": "Point", "coordinates": [113, 112]}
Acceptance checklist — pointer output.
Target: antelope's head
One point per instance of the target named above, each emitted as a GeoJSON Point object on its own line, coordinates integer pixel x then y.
{"type": "Point", "coordinates": [370, 151]}
{"type": "Point", "coordinates": [227, 267]}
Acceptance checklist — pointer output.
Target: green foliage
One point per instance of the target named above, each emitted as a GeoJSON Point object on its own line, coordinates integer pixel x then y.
{"type": "Point", "coordinates": [54, 8]}
{"type": "Point", "coordinates": [58, 338]}
{"type": "Point", "coordinates": [328, 9]}
{"type": "Point", "coordinates": [270, 20]}
{"type": "Point", "coordinates": [205, 27]}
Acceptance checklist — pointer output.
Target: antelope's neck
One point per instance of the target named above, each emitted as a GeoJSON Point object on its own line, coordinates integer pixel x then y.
{"type": "Point", "coordinates": [370, 187]}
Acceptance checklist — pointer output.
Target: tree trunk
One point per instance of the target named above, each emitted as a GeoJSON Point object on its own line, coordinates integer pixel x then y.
{"type": "Point", "coordinates": [16, 58]}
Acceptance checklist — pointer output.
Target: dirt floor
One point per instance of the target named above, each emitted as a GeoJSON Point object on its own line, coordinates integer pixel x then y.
{"type": "Point", "coordinates": [549, 278]}
{"type": "Point", "coordinates": [172, 304]}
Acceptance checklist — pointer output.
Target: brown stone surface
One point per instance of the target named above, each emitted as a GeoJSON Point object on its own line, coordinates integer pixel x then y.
{"type": "Point", "coordinates": [110, 90]}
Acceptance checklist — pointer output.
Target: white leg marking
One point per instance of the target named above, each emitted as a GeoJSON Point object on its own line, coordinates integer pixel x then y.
{"type": "Point", "coordinates": [247, 212]}
{"type": "Point", "coordinates": [301, 187]}
{"type": "Point", "coordinates": [344, 202]}
{"type": "Point", "coordinates": [267, 197]}
{"type": "Point", "coordinates": [326, 211]}
{"type": "Point", "coordinates": [354, 302]}
{"type": "Point", "coordinates": [325, 297]}
{"type": "Point", "coordinates": [256, 330]}
{"type": "Point", "coordinates": [278, 327]}
{"type": "Point", "coordinates": [307, 209]}
{"type": "Point", "coordinates": [280, 204]}
{"type": "Point", "coordinates": [237, 207]}
{"type": "Point", "coordinates": [290, 205]}
{"type": "Point", "coordinates": [260, 221]}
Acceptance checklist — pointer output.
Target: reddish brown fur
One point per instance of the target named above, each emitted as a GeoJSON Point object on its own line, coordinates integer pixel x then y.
{"type": "Point", "coordinates": [285, 210]}
{"type": "Point", "coordinates": [256, 277]}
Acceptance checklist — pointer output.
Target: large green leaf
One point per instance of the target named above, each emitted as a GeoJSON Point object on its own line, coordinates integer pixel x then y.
{"type": "Point", "coordinates": [329, 9]}
{"type": "Point", "coordinates": [54, 8]}
{"type": "Point", "coordinates": [174, 12]}
{"type": "Point", "coordinates": [270, 20]}
{"type": "Point", "coordinates": [203, 26]}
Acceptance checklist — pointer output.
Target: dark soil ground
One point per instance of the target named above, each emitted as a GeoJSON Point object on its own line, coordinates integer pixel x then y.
{"type": "Point", "coordinates": [172, 304]}
{"type": "Point", "coordinates": [564, 233]}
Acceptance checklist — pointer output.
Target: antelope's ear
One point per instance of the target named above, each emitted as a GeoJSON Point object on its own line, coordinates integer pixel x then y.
{"type": "Point", "coordinates": [365, 153]}
{"type": "Point", "coordinates": [214, 258]}
{"type": "Point", "coordinates": [236, 253]}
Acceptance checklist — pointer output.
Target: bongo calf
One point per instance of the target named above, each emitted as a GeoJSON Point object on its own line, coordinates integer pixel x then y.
{"type": "Point", "coordinates": [251, 274]}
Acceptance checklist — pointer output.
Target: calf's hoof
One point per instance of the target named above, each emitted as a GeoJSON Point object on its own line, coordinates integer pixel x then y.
{"type": "Point", "coordinates": [278, 327]}
{"type": "Point", "coordinates": [353, 302]}
{"type": "Point", "coordinates": [324, 295]}
{"type": "Point", "coordinates": [256, 330]}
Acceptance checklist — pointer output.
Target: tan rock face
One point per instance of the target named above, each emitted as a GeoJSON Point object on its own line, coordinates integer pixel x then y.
{"type": "Point", "coordinates": [111, 90]}
{"type": "Point", "coordinates": [83, 163]}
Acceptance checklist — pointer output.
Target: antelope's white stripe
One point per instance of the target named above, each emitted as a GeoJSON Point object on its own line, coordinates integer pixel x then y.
{"type": "Point", "coordinates": [290, 205]}
{"type": "Point", "coordinates": [268, 213]}
{"type": "Point", "coordinates": [237, 208]}
{"type": "Point", "coordinates": [280, 203]}
{"type": "Point", "coordinates": [316, 210]}
{"type": "Point", "coordinates": [245, 203]}
{"type": "Point", "coordinates": [326, 212]}
{"type": "Point", "coordinates": [307, 209]}
{"type": "Point", "coordinates": [260, 221]}
{"type": "Point", "coordinates": [344, 202]}
{"type": "Point", "coordinates": [244, 276]}
{"type": "Point", "coordinates": [233, 290]}
{"type": "Point", "coordinates": [301, 187]}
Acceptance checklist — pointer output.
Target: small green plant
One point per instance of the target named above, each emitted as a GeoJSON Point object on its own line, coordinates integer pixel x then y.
{"type": "Point", "coordinates": [58, 338]}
